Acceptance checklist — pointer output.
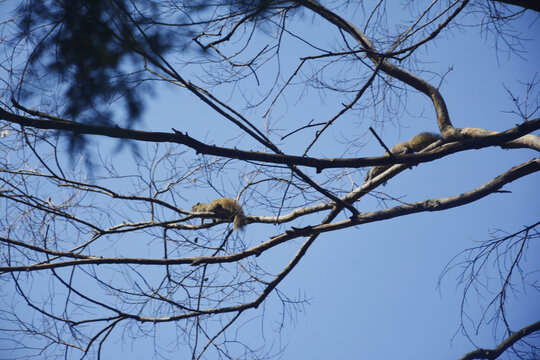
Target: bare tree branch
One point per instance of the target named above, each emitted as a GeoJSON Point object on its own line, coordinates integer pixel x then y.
{"type": "Point", "coordinates": [492, 354]}
{"type": "Point", "coordinates": [531, 5]}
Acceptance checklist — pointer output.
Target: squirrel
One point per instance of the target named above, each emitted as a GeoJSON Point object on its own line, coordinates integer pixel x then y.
{"type": "Point", "coordinates": [226, 208]}
{"type": "Point", "coordinates": [415, 144]}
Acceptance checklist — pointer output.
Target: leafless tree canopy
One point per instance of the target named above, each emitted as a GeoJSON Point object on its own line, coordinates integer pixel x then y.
{"type": "Point", "coordinates": [99, 244]}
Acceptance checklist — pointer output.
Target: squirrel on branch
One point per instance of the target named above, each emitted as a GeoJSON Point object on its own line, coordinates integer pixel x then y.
{"type": "Point", "coordinates": [415, 144]}
{"type": "Point", "coordinates": [223, 208]}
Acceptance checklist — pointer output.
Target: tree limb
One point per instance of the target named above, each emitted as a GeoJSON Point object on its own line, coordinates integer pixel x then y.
{"type": "Point", "coordinates": [510, 341]}
{"type": "Point", "coordinates": [397, 211]}
{"type": "Point", "coordinates": [497, 139]}
{"type": "Point", "coordinates": [527, 4]}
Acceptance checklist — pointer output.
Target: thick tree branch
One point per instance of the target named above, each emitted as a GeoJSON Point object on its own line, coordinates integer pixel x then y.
{"type": "Point", "coordinates": [443, 118]}
{"type": "Point", "coordinates": [527, 4]}
{"type": "Point", "coordinates": [498, 351]}
{"type": "Point", "coordinates": [497, 139]}
{"type": "Point", "coordinates": [398, 211]}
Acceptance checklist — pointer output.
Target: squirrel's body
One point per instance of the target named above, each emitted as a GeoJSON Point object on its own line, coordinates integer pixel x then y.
{"type": "Point", "coordinates": [224, 208]}
{"type": "Point", "coordinates": [422, 140]}
{"type": "Point", "coordinates": [415, 144]}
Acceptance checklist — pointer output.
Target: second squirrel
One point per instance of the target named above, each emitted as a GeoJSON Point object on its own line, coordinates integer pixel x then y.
{"type": "Point", "coordinates": [225, 208]}
{"type": "Point", "coordinates": [415, 144]}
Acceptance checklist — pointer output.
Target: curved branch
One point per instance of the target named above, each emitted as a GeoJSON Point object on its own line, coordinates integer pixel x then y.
{"type": "Point", "coordinates": [443, 118]}
{"type": "Point", "coordinates": [527, 4]}
{"type": "Point", "coordinates": [510, 341]}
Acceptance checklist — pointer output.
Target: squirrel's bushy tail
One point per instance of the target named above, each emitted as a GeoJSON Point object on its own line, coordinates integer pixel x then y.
{"type": "Point", "coordinates": [239, 221]}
